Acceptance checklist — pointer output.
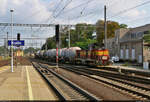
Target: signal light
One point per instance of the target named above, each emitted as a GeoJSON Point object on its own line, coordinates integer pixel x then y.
{"type": "Point", "coordinates": [57, 33]}
{"type": "Point", "coordinates": [18, 36]}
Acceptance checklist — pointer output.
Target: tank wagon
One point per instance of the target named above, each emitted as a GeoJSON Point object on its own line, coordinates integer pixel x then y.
{"type": "Point", "coordinates": [75, 55]}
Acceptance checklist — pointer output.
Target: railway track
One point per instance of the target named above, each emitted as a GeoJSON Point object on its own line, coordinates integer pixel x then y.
{"type": "Point", "coordinates": [110, 74]}
{"type": "Point", "coordinates": [123, 85]}
{"type": "Point", "coordinates": [4, 63]}
{"type": "Point", "coordinates": [135, 86]}
{"type": "Point", "coordinates": [65, 89]}
{"type": "Point", "coordinates": [127, 71]}
{"type": "Point", "coordinates": [119, 75]}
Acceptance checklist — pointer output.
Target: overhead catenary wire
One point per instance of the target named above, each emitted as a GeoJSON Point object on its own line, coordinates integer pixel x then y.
{"type": "Point", "coordinates": [112, 5]}
{"type": "Point", "coordinates": [85, 6]}
{"type": "Point", "coordinates": [80, 5]}
{"type": "Point", "coordinates": [54, 17]}
{"type": "Point", "coordinates": [32, 15]}
{"type": "Point", "coordinates": [129, 9]}
{"type": "Point", "coordinates": [138, 19]}
{"type": "Point", "coordinates": [56, 7]}
{"type": "Point", "coordinates": [84, 15]}
{"type": "Point", "coordinates": [62, 9]}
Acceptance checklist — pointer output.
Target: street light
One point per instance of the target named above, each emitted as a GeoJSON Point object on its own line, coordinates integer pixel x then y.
{"type": "Point", "coordinates": [11, 40]}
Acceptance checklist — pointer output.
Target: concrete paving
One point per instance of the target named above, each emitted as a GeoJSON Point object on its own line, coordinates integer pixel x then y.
{"type": "Point", "coordinates": [137, 68]}
{"type": "Point", "coordinates": [23, 84]}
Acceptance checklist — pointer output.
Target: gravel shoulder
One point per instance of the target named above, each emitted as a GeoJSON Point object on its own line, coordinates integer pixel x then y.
{"type": "Point", "coordinates": [102, 91]}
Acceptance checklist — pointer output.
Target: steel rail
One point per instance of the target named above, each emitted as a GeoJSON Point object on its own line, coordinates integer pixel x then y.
{"type": "Point", "coordinates": [74, 86]}
{"type": "Point", "coordinates": [62, 98]}
{"type": "Point", "coordinates": [81, 72]}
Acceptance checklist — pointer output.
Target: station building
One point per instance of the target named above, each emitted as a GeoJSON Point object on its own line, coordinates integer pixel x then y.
{"type": "Point", "coordinates": [129, 45]}
{"type": "Point", "coordinates": [19, 53]}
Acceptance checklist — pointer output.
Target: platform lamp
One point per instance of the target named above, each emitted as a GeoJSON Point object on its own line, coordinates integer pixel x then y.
{"type": "Point", "coordinates": [12, 39]}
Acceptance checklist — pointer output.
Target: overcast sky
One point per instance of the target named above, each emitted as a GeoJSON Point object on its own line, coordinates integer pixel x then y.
{"type": "Point", "coordinates": [74, 11]}
{"type": "Point", "coordinates": [43, 11]}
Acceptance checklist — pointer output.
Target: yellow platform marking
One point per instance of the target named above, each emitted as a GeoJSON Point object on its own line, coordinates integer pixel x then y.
{"type": "Point", "coordinates": [4, 69]}
{"type": "Point", "coordinates": [29, 85]}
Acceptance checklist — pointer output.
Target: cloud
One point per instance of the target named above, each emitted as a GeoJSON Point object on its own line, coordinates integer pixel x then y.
{"type": "Point", "coordinates": [3, 4]}
{"type": "Point", "coordinates": [134, 14]}
{"type": "Point", "coordinates": [40, 11]}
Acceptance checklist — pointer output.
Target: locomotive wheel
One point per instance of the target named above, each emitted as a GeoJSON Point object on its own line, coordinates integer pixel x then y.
{"type": "Point", "coordinates": [105, 63]}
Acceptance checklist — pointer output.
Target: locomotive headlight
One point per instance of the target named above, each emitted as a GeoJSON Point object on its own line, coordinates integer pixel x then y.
{"type": "Point", "coordinates": [104, 57]}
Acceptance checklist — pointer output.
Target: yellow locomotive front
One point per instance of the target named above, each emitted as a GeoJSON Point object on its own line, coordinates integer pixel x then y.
{"type": "Point", "coordinates": [93, 57]}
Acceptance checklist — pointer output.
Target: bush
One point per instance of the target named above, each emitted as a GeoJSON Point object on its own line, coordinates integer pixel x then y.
{"type": "Point", "coordinates": [126, 64]}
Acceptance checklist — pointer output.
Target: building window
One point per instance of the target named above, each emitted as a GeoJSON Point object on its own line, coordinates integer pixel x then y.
{"type": "Point", "coordinates": [146, 32]}
{"type": "Point", "coordinates": [126, 46]}
{"type": "Point", "coordinates": [127, 53]}
{"type": "Point", "coordinates": [132, 35]}
{"type": "Point", "coordinates": [132, 46]}
{"type": "Point", "coordinates": [121, 54]}
{"type": "Point", "coordinates": [133, 54]}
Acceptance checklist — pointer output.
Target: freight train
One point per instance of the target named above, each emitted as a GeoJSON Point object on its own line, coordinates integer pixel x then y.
{"type": "Point", "coordinates": [75, 55]}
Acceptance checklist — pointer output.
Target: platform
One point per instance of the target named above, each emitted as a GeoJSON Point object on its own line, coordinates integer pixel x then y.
{"type": "Point", "coordinates": [23, 84]}
{"type": "Point", "coordinates": [133, 68]}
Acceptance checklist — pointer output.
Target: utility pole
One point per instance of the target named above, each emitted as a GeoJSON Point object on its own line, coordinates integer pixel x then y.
{"type": "Point", "coordinates": [57, 43]}
{"type": "Point", "coordinates": [5, 47]}
{"type": "Point", "coordinates": [60, 42]}
{"type": "Point", "coordinates": [12, 40]}
{"type": "Point", "coordinates": [68, 34]}
{"type": "Point", "coordinates": [105, 27]}
{"type": "Point", "coordinates": [7, 43]}
{"type": "Point", "coordinates": [46, 46]}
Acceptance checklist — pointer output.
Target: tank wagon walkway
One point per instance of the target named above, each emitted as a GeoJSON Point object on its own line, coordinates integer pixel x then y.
{"type": "Point", "coordinates": [23, 84]}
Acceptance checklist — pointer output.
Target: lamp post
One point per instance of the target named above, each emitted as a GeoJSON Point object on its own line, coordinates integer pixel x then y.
{"type": "Point", "coordinates": [12, 40]}
{"type": "Point", "coordinates": [68, 33]}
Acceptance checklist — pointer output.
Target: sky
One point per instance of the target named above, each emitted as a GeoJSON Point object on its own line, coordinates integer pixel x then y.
{"type": "Point", "coordinates": [71, 12]}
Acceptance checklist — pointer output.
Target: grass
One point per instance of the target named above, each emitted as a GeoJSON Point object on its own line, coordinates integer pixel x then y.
{"type": "Point", "coordinates": [127, 64]}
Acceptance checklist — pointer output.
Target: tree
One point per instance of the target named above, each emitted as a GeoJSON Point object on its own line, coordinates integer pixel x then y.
{"type": "Point", "coordinates": [80, 36]}
{"type": "Point", "coordinates": [84, 44]}
{"type": "Point", "coordinates": [84, 31]}
{"type": "Point", "coordinates": [2, 50]}
{"type": "Point", "coordinates": [50, 43]}
{"type": "Point", "coordinates": [30, 50]}
{"type": "Point", "coordinates": [111, 27]}
{"type": "Point", "coordinates": [147, 38]}
{"type": "Point", "coordinates": [123, 26]}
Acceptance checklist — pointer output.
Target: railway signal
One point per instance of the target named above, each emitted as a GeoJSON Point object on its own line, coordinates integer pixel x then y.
{"type": "Point", "coordinates": [57, 43]}
{"type": "Point", "coordinates": [57, 33]}
{"type": "Point", "coordinates": [18, 36]}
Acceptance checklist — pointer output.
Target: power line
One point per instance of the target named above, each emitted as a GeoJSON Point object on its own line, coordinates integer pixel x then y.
{"type": "Point", "coordinates": [54, 17]}
{"type": "Point", "coordinates": [62, 9]}
{"type": "Point", "coordinates": [78, 6]}
{"type": "Point", "coordinates": [85, 6]}
{"type": "Point", "coordinates": [126, 10]}
{"type": "Point", "coordinates": [138, 19]}
{"type": "Point", "coordinates": [112, 5]}
{"type": "Point", "coordinates": [84, 15]}
{"type": "Point", "coordinates": [56, 7]}
{"type": "Point", "coordinates": [35, 13]}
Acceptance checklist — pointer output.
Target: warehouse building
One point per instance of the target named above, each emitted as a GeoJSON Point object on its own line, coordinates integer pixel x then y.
{"type": "Point", "coordinates": [128, 44]}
